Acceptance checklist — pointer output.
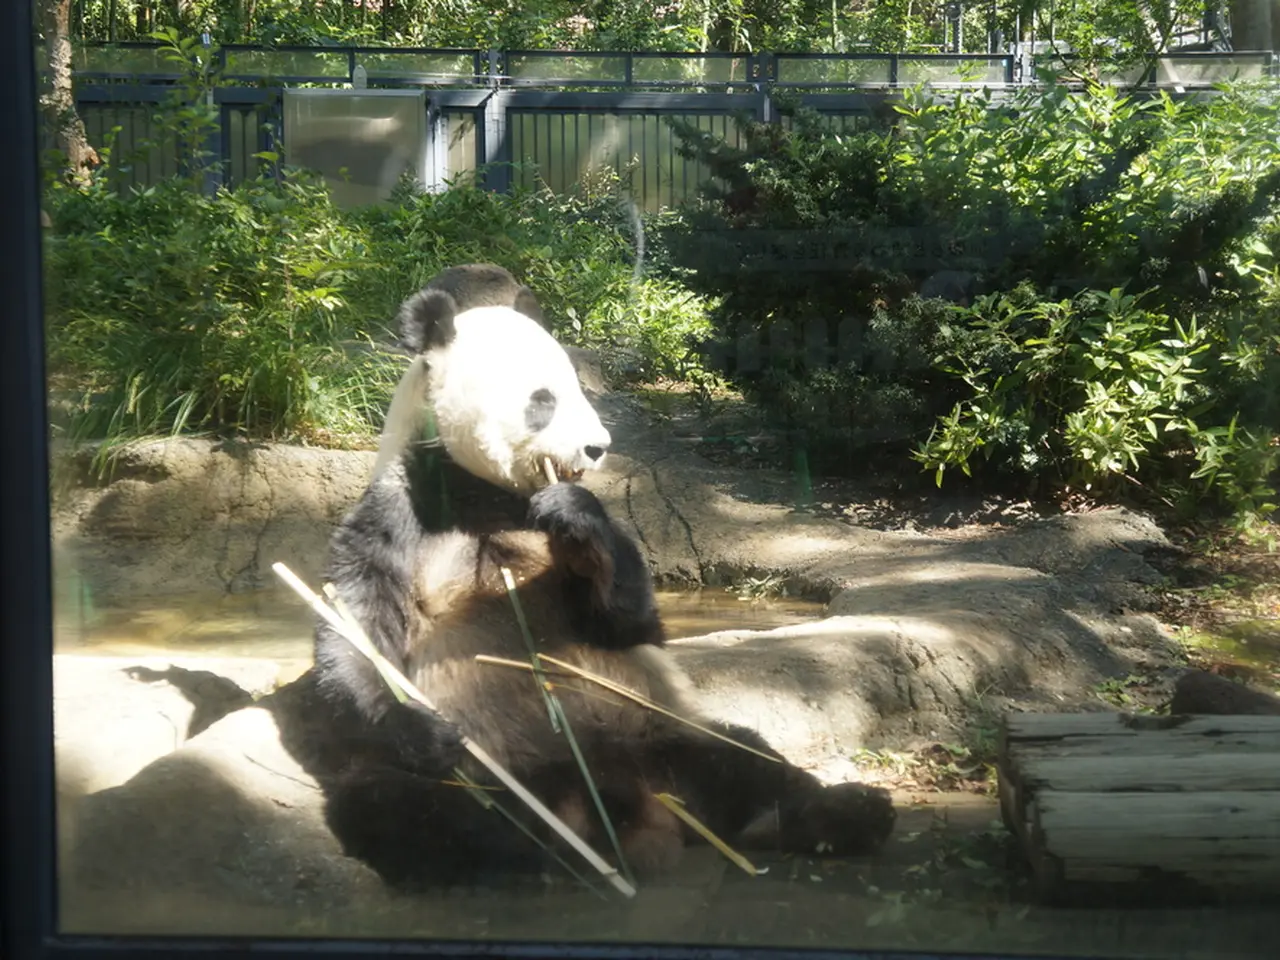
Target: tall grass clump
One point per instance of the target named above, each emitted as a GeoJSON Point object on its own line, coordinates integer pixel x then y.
{"type": "Point", "coordinates": [170, 311]}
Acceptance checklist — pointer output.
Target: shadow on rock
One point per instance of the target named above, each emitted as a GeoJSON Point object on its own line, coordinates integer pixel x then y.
{"type": "Point", "coordinates": [211, 696]}
{"type": "Point", "coordinates": [233, 818]}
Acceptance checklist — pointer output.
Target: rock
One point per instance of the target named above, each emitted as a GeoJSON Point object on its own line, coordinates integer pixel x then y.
{"type": "Point", "coordinates": [188, 515]}
{"type": "Point", "coordinates": [237, 799]}
{"type": "Point", "coordinates": [590, 370]}
{"type": "Point", "coordinates": [922, 625]}
{"type": "Point", "coordinates": [113, 715]}
{"type": "Point", "coordinates": [1198, 691]}
{"type": "Point", "coordinates": [911, 655]}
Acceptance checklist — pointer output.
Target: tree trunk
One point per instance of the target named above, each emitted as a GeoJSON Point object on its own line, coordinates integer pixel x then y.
{"type": "Point", "coordinates": [1253, 24]}
{"type": "Point", "coordinates": [58, 100]}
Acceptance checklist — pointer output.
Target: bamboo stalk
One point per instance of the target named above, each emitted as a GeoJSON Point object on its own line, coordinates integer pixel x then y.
{"type": "Point", "coordinates": [352, 632]}
{"type": "Point", "coordinates": [676, 806]}
{"type": "Point", "coordinates": [543, 685]}
{"type": "Point", "coordinates": [622, 691]}
{"type": "Point", "coordinates": [560, 722]}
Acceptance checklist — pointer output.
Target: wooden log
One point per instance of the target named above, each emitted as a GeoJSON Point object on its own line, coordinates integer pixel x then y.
{"type": "Point", "coordinates": [1156, 773]}
{"type": "Point", "coordinates": [1119, 734]}
{"type": "Point", "coordinates": [1191, 803]}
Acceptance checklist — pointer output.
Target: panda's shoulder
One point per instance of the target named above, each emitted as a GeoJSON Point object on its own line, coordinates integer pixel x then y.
{"type": "Point", "coordinates": [385, 508]}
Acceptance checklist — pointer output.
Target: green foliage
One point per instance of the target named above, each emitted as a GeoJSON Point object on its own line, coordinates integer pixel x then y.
{"type": "Point", "coordinates": [1097, 38]}
{"type": "Point", "coordinates": [1090, 387]}
{"type": "Point", "coordinates": [578, 251]}
{"type": "Point", "coordinates": [737, 25]}
{"type": "Point", "coordinates": [1127, 319]}
{"type": "Point", "coordinates": [172, 311]}
{"type": "Point", "coordinates": [263, 310]}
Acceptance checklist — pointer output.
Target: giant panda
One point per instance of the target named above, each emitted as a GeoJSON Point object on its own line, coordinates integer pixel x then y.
{"type": "Point", "coordinates": [419, 561]}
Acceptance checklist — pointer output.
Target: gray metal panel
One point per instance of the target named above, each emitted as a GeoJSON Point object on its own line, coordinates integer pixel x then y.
{"type": "Point", "coordinates": [362, 141]}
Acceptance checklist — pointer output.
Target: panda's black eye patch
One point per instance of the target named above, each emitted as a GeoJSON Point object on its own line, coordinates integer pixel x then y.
{"type": "Point", "coordinates": [540, 411]}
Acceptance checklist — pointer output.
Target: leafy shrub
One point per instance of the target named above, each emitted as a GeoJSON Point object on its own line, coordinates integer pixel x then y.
{"type": "Point", "coordinates": [265, 311]}
{"type": "Point", "coordinates": [174, 311]}
{"type": "Point", "coordinates": [1088, 387]}
{"type": "Point", "coordinates": [1055, 209]}
{"type": "Point", "coordinates": [577, 251]}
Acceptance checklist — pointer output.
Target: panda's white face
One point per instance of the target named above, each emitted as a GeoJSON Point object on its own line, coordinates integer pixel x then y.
{"type": "Point", "coordinates": [506, 398]}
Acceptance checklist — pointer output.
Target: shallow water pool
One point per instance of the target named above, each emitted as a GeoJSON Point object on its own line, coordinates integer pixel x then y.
{"type": "Point", "coordinates": [274, 624]}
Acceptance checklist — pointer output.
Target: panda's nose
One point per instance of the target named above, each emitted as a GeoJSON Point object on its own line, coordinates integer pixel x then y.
{"type": "Point", "coordinates": [595, 451]}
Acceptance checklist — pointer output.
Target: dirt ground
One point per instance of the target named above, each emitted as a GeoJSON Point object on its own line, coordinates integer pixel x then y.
{"type": "Point", "coordinates": [947, 881]}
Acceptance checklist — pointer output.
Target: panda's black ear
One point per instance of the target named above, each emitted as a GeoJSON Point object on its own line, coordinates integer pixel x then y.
{"type": "Point", "coordinates": [426, 320]}
{"type": "Point", "coordinates": [527, 303]}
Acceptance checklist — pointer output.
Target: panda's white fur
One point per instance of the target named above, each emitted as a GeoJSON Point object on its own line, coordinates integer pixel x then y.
{"type": "Point", "coordinates": [479, 385]}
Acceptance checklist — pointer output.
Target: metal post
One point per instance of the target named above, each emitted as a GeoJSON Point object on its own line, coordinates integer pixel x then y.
{"type": "Point", "coordinates": [763, 63]}
{"type": "Point", "coordinates": [215, 156]}
{"type": "Point", "coordinates": [493, 141]}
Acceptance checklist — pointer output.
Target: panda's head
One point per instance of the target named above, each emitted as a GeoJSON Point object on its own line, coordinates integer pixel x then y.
{"type": "Point", "coordinates": [504, 395]}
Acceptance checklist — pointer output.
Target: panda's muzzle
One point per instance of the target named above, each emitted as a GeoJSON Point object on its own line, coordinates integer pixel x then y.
{"type": "Point", "coordinates": [589, 457]}
{"type": "Point", "coordinates": [557, 470]}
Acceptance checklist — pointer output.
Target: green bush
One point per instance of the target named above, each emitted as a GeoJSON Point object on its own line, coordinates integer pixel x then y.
{"type": "Point", "coordinates": [1115, 245]}
{"type": "Point", "coordinates": [171, 311]}
{"type": "Point", "coordinates": [577, 251]}
{"type": "Point", "coordinates": [264, 311]}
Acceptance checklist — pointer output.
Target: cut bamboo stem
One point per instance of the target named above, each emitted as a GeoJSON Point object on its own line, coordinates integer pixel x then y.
{"type": "Point", "coordinates": [622, 691]}
{"type": "Point", "coordinates": [543, 685]}
{"type": "Point", "coordinates": [676, 806]}
{"type": "Point", "coordinates": [352, 632]}
{"type": "Point", "coordinates": [560, 722]}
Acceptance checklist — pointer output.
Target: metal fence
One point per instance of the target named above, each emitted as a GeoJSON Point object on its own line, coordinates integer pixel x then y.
{"type": "Point", "coordinates": [538, 117]}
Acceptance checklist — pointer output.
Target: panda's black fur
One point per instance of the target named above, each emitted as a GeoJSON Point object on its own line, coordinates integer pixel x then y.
{"type": "Point", "coordinates": [425, 582]}
{"type": "Point", "coordinates": [480, 285]}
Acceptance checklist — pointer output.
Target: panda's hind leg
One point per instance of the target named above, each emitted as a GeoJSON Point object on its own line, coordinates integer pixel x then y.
{"type": "Point", "coordinates": [772, 804]}
{"type": "Point", "coordinates": [418, 832]}
{"type": "Point", "coordinates": [652, 838]}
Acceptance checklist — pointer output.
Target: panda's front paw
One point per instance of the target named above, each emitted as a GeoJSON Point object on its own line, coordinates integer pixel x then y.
{"type": "Point", "coordinates": [581, 536]}
{"type": "Point", "coordinates": [571, 514]}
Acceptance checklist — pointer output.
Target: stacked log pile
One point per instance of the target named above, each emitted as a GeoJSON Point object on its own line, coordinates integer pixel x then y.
{"type": "Point", "coordinates": [1169, 804]}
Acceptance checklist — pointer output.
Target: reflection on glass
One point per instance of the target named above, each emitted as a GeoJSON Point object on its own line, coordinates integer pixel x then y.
{"type": "Point", "coordinates": [524, 66]}
{"type": "Point", "coordinates": [689, 69]}
{"type": "Point", "coordinates": [289, 63]}
{"type": "Point", "coordinates": [401, 66]}
{"type": "Point", "coordinates": [939, 451]}
{"type": "Point", "coordinates": [869, 70]}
